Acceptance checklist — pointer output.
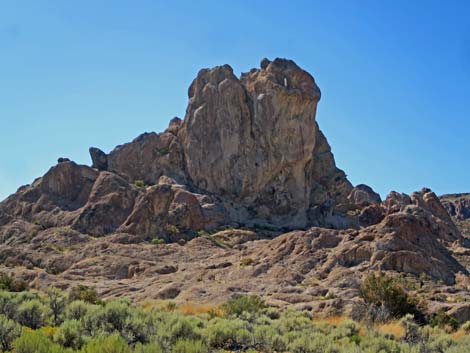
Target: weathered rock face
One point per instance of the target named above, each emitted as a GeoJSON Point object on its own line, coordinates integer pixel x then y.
{"type": "Point", "coordinates": [260, 139]}
{"type": "Point", "coordinates": [363, 195]}
{"type": "Point", "coordinates": [457, 205]}
{"type": "Point", "coordinates": [252, 145]}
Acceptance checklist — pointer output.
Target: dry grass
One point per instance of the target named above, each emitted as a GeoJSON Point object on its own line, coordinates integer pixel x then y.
{"type": "Point", "coordinates": [458, 335]}
{"type": "Point", "coordinates": [331, 320]}
{"type": "Point", "coordinates": [191, 308]}
{"type": "Point", "coordinates": [154, 304]}
{"type": "Point", "coordinates": [392, 328]}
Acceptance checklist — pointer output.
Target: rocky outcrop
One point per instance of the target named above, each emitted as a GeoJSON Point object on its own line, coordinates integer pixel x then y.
{"type": "Point", "coordinates": [252, 142]}
{"type": "Point", "coordinates": [250, 164]}
{"type": "Point", "coordinates": [363, 195]}
{"type": "Point", "coordinates": [259, 136]}
{"type": "Point", "coordinates": [457, 205]}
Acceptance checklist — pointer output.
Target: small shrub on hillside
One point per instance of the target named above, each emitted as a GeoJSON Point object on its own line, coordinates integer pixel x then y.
{"type": "Point", "coordinates": [9, 330]}
{"type": "Point", "coordinates": [222, 333]}
{"type": "Point", "coordinates": [85, 293]}
{"type": "Point", "coordinates": [148, 348]}
{"type": "Point", "coordinates": [139, 183]}
{"type": "Point", "coordinates": [57, 302]}
{"type": "Point", "coordinates": [12, 284]}
{"type": "Point", "coordinates": [69, 334]}
{"type": "Point", "coordinates": [138, 327]}
{"type": "Point", "coordinates": [443, 320]}
{"type": "Point", "coordinates": [32, 314]}
{"type": "Point", "coordinates": [189, 346]}
{"type": "Point", "coordinates": [35, 342]}
{"type": "Point", "coordinates": [385, 298]}
{"type": "Point", "coordinates": [108, 344]}
{"type": "Point", "coordinates": [77, 310]}
{"type": "Point", "coordinates": [247, 261]}
{"type": "Point", "coordinates": [171, 229]}
{"type": "Point", "coordinates": [249, 303]}
{"type": "Point", "coordinates": [8, 305]}
{"type": "Point", "coordinates": [111, 317]}
{"type": "Point", "coordinates": [158, 241]}
{"type": "Point", "coordinates": [466, 327]}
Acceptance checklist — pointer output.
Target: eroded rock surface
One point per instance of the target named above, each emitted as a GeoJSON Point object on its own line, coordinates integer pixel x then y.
{"type": "Point", "coordinates": [246, 193]}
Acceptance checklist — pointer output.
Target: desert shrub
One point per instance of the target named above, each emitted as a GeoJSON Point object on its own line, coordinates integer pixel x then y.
{"type": "Point", "coordinates": [148, 348]}
{"type": "Point", "coordinates": [8, 305]}
{"type": "Point", "coordinates": [246, 261]}
{"type": "Point", "coordinates": [294, 321]}
{"type": "Point", "coordinates": [139, 183]}
{"type": "Point", "coordinates": [57, 303]}
{"type": "Point", "coordinates": [48, 331]}
{"type": "Point", "coordinates": [32, 314]}
{"type": "Point", "coordinates": [272, 313]}
{"type": "Point", "coordinates": [116, 314]}
{"type": "Point", "coordinates": [69, 334]}
{"type": "Point", "coordinates": [311, 343]}
{"type": "Point", "coordinates": [466, 327]}
{"type": "Point", "coordinates": [138, 327]}
{"type": "Point", "coordinates": [108, 344]}
{"type": "Point", "coordinates": [9, 330]}
{"type": "Point", "coordinates": [171, 228]}
{"type": "Point", "coordinates": [189, 346]}
{"type": "Point", "coordinates": [176, 326]}
{"type": "Point", "coordinates": [12, 284]}
{"type": "Point", "coordinates": [249, 303]}
{"type": "Point", "coordinates": [77, 310]}
{"type": "Point", "coordinates": [224, 333]}
{"type": "Point", "coordinates": [443, 320]}
{"type": "Point", "coordinates": [372, 343]}
{"type": "Point", "coordinates": [385, 298]}
{"type": "Point", "coordinates": [85, 293]}
{"type": "Point", "coordinates": [111, 317]}
{"type": "Point", "coordinates": [158, 241]}
{"type": "Point", "coordinates": [35, 342]}
{"type": "Point", "coordinates": [266, 337]}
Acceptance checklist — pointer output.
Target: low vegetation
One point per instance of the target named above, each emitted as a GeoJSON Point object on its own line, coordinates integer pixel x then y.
{"type": "Point", "coordinates": [35, 322]}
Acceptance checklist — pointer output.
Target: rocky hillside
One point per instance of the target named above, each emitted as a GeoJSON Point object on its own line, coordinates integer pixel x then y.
{"type": "Point", "coordinates": [242, 196]}
{"type": "Point", "coordinates": [458, 206]}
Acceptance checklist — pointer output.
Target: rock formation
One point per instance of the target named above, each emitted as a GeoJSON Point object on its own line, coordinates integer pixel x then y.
{"type": "Point", "coordinates": [247, 163]}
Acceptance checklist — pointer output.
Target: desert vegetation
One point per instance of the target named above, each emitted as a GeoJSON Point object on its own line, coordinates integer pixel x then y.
{"type": "Point", "coordinates": [78, 321]}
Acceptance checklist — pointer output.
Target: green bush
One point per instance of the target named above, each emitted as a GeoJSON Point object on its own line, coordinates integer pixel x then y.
{"type": "Point", "coordinates": [223, 333]}
{"type": "Point", "coordinates": [8, 305]}
{"type": "Point", "coordinates": [148, 348]}
{"type": "Point", "coordinates": [109, 344]}
{"type": "Point", "coordinates": [112, 317]}
{"type": "Point", "coordinates": [189, 346]}
{"type": "Point", "coordinates": [32, 313]}
{"type": "Point", "coordinates": [77, 310]}
{"type": "Point", "coordinates": [84, 293]}
{"type": "Point", "coordinates": [12, 284]}
{"type": "Point", "coordinates": [35, 342]}
{"type": "Point", "coordinates": [139, 183]}
{"type": "Point", "coordinates": [249, 303]}
{"type": "Point", "coordinates": [384, 297]}
{"type": "Point", "coordinates": [443, 320]}
{"type": "Point", "coordinates": [69, 334]}
{"type": "Point", "coordinates": [9, 331]}
{"type": "Point", "coordinates": [158, 241]}
{"type": "Point", "coordinates": [246, 261]}
{"type": "Point", "coordinates": [57, 302]}
{"type": "Point", "coordinates": [138, 327]}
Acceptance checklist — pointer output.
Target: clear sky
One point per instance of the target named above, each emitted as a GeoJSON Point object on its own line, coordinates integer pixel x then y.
{"type": "Point", "coordinates": [394, 75]}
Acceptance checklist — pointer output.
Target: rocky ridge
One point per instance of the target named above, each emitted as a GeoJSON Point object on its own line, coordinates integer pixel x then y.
{"type": "Point", "coordinates": [245, 186]}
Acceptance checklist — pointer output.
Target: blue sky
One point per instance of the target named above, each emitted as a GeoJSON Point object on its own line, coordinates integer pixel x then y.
{"type": "Point", "coordinates": [394, 75]}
